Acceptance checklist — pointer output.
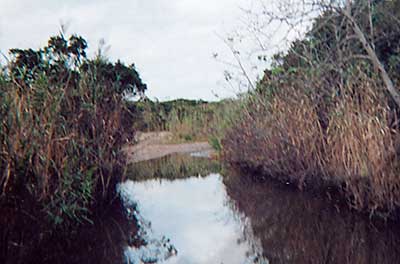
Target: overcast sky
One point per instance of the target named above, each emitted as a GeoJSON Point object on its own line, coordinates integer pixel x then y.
{"type": "Point", "coordinates": [171, 41]}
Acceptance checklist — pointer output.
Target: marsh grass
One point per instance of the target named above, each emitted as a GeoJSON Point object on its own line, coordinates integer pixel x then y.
{"type": "Point", "coordinates": [61, 143]}
{"type": "Point", "coordinates": [206, 122]}
{"type": "Point", "coordinates": [187, 120]}
{"type": "Point", "coordinates": [62, 130]}
{"type": "Point", "coordinates": [350, 143]}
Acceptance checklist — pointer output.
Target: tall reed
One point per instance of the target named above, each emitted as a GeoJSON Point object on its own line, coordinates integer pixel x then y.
{"type": "Point", "coordinates": [350, 142]}
{"type": "Point", "coordinates": [61, 133]}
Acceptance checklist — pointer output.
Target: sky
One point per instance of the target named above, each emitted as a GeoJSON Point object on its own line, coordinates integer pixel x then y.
{"type": "Point", "coordinates": [171, 42]}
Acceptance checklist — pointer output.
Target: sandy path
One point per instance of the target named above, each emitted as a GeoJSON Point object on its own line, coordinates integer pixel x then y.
{"type": "Point", "coordinates": [151, 146]}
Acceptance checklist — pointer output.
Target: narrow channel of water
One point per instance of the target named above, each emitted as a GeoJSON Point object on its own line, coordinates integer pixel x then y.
{"type": "Point", "coordinates": [186, 209]}
{"type": "Point", "coordinates": [189, 213]}
{"type": "Point", "coordinates": [193, 213]}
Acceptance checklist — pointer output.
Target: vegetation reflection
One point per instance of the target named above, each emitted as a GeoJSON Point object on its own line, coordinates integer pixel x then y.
{"type": "Point", "coordinates": [172, 167]}
{"type": "Point", "coordinates": [306, 228]}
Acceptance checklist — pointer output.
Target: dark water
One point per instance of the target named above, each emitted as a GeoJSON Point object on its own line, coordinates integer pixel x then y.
{"type": "Point", "coordinates": [190, 210]}
{"type": "Point", "coordinates": [24, 239]}
{"type": "Point", "coordinates": [296, 227]}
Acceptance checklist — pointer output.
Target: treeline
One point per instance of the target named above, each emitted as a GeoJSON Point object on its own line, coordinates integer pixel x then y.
{"type": "Point", "coordinates": [62, 129]}
{"type": "Point", "coordinates": [326, 112]}
{"type": "Point", "coordinates": [188, 120]}
{"type": "Point", "coordinates": [151, 115]}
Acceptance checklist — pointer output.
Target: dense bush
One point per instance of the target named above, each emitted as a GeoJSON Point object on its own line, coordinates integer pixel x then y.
{"type": "Point", "coordinates": [61, 132]}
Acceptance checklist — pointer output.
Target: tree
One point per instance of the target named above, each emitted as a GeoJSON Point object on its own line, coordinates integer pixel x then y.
{"type": "Point", "coordinates": [341, 35]}
{"type": "Point", "coordinates": [62, 61]}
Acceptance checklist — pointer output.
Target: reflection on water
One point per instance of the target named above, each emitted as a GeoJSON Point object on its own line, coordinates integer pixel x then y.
{"type": "Point", "coordinates": [229, 219]}
{"type": "Point", "coordinates": [23, 239]}
{"type": "Point", "coordinates": [194, 215]}
{"type": "Point", "coordinates": [173, 167]}
{"type": "Point", "coordinates": [184, 199]}
{"type": "Point", "coordinates": [188, 213]}
{"type": "Point", "coordinates": [304, 228]}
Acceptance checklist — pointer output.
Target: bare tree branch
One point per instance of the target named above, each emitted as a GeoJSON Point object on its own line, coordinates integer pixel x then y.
{"type": "Point", "coordinates": [374, 58]}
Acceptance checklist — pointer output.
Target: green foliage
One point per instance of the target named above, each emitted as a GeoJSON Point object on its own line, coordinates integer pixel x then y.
{"type": "Point", "coordinates": [64, 61]}
{"type": "Point", "coordinates": [188, 120]}
{"type": "Point", "coordinates": [215, 143]}
{"type": "Point", "coordinates": [277, 71]}
{"type": "Point", "coordinates": [62, 128]}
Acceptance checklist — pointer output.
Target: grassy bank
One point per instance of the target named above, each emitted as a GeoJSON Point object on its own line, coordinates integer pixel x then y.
{"type": "Point", "coordinates": [323, 116]}
{"type": "Point", "coordinates": [62, 129]}
{"type": "Point", "coordinates": [187, 120]}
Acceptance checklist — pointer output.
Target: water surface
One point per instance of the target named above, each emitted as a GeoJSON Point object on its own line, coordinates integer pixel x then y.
{"type": "Point", "coordinates": [191, 212]}
{"type": "Point", "coordinates": [186, 209]}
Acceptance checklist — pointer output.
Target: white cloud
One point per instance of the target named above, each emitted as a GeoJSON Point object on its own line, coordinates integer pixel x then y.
{"type": "Point", "coordinates": [171, 42]}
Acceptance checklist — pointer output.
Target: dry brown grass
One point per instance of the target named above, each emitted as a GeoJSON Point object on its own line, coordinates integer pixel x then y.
{"type": "Point", "coordinates": [284, 138]}
{"type": "Point", "coordinates": [362, 149]}
{"type": "Point", "coordinates": [354, 147]}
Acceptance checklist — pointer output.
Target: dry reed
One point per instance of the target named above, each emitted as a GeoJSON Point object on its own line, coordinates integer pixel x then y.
{"type": "Point", "coordinates": [350, 143]}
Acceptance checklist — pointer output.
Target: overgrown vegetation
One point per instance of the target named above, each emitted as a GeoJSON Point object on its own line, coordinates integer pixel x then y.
{"type": "Point", "coordinates": [62, 127]}
{"type": "Point", "coordinates": [188, 120]}
{"type": "Point", "coordinates": [325, 114]}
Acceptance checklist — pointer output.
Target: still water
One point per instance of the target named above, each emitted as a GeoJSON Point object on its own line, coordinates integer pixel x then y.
{"type": "Point", "coordinates": [194, 213]}
{"type": "Point", "coordinates": [183, 201]}
{"type": "Point", "coordinates": [188, 210]}
{"type": "Point", "coordinates": [189, 213]}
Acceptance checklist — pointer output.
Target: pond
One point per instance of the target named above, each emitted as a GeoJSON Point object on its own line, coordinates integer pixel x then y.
{"type": "Point", "coordinates": [189, 210]}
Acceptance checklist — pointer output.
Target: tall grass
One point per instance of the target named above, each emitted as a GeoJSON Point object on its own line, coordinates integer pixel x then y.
{"type": "Point", "coordinates": [350, 142]}
{"type": "Point", "coordinates": [60, 141]}
{"type": "Point", "coordinates": [203, 122]}
{"type": "Point", "coordinates": [324, 114]}
{"type": "Point", "coordinates": [188, 120]}
{"type": "Point", "coordinates": [362, 149]}
{"type": "Point", "coordinates": [190, 123]}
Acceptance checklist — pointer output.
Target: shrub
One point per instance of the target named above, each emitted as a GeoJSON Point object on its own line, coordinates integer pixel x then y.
{"type": "Point", "coordinates": [61, 129]}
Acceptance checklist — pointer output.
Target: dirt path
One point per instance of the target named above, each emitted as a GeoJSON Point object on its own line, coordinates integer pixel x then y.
{"type": "Point", "coordinates": [153, 145]}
